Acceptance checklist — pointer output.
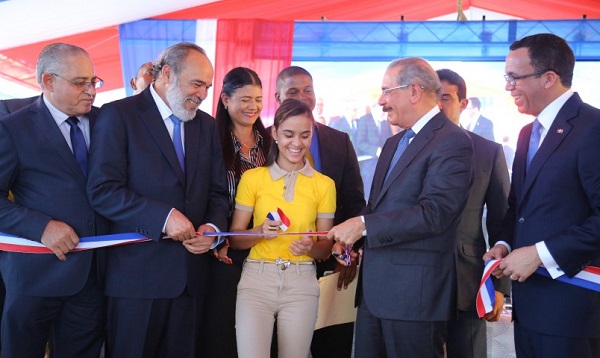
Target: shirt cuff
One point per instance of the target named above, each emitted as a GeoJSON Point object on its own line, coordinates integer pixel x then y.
{"type": "Point", "coordinates": [548, 260]}
{"type": "Point", "coordinates": [164, 229]}
{"type": "Point", "coordinates": [505, 244]}
{"type": "Point", "coordinates": [218, 239]}
{"type": "Point", "coordinates": [362, 218]}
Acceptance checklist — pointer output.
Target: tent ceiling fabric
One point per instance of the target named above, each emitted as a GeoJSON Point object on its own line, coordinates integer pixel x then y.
{"type": "Point", "coordinates": [28, 25]}
{"type": "Point", "coordinates": [361, 10]}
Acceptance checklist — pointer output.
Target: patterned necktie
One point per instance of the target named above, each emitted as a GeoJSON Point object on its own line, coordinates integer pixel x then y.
{"type": "Point", "coordinates": [177, 140]}
{"type": "Point", "coordinates": [78, 143]}
{"type": "Point", "coordinates": [402, 144]}
{"type": "Point", "coordinates": [534, 141]}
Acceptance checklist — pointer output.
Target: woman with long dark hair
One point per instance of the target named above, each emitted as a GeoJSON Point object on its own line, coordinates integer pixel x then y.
{"type": "Point", "coordinates": [245, 143]}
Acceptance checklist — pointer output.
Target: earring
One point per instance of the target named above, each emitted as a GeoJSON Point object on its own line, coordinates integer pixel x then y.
{"type": "Point", "coordinates": [225, 107]}
{"type": "Point", "coordinates": [276, 142]}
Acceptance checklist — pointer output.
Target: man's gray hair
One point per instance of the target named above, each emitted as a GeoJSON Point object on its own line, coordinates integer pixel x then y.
{"type": "Point", "coordinates": [419, 71]}
{"type": "Point", "coordinates": [52, 57]}
{"type": "Point", "coordinates": [174, 56]}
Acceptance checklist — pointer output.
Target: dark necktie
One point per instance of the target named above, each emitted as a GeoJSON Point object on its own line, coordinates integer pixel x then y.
{"type": "Point", "coordinates": [177, 140]}
{"type": "Point", "coordinates": [78, 143]}
{"type": "Point", "coordinates": [534, 141]}
{"type": "Point", "coordinates": [402, 144]}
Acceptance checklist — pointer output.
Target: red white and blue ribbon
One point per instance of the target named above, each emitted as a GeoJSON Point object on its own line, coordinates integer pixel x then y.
{"type": "Point", "coordinates": [486, 296]}
{"type": "Point", "coordinates": [278, 215]}
{"type": "Point", "coordinates": [588, 278]}
{"type": "Point", "coordinates": [13, 243]}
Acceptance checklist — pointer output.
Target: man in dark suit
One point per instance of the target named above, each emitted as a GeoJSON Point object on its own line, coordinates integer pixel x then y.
{"type": "Point", "coordinates": [407, 285]}
{"type": "Point", "coordinates": [333, 155]}
{"type": "Point", "coordinates": [51, 296]}
{"type": "Point", "coordinates": [142, 181]}
{"type": "Point", "coordinates": [8, 106]}
{"type": "Point", "coordinates": [467, 336]}
{"type": "Point", "coordinates": [476, 122]}
{"type": "Point", "coordinates": [553, 217]}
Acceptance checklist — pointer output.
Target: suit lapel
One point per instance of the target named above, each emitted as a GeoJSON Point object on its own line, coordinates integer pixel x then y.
{"type": "Point", "coordinates": [46, 124]}
{"type": "Point", "coordinates": [556, 134]}
{"type": "Point", "coordinates": [153, 121]}
{"type": "Point", "coordinates": [328, 162]}
{"type": "Point", "coordinates": [382, 166]}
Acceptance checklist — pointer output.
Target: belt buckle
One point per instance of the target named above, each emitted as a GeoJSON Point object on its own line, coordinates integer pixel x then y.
{"type": "Point", "coordinates": [282, 264]}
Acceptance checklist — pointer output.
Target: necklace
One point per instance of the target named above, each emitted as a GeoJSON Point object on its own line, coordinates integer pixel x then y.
{"type": "Point", "coordinates": [242, 143]}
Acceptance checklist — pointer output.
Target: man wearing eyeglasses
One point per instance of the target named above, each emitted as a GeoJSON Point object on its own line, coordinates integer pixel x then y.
{"type": "Point", "coordinates": [43, 154]}
{"type": "Point", "coordinates": [407, 287]}
{"type": "Point", "coordinates": [553, 219]}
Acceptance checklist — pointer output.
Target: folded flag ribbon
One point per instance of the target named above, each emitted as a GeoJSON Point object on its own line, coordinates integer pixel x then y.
{"type": "Point", "coordinates": [13, 243]}
{"type": "Point", "coordinates": [278, 215]}
{"type": "Point", "coordinates": [588, 278]}
{"type": "Point", "coordinates": [486, 296]}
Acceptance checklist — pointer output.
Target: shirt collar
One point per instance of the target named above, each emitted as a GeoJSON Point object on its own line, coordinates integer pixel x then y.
{"type": "Point", "coordinates": [58, 116]}
{"type": "Point", "coordinates": [165, 111]}
{"type": "Point", "coordinates": [277, 172]}
{"type": "Point", "coordinates": [546, 117]}
{"type": "Point", "coordinates": [425, 119]}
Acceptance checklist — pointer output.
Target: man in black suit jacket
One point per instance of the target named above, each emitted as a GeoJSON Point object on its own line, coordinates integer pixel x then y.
{"type": "Point", "coordinates": [407, 285]}
{"type": "Point", "coordinates": [467, 337]}
{"type": "Point", "coordinates": [8, 106]}
{"type": "Point", "coordinates": [553, 217]}
{"type": "Point", "coordinates": [155, 288]}
{"type": "Point", "coordinates": [334, 156]}
{"type": "Point", "coordinates": [51, 293]}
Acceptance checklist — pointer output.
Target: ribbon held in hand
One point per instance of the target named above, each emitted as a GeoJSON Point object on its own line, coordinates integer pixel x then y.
{"type": "Point", "coordinates": [486, 296]}
{"type": "Point", "coordinates": [278, 215]}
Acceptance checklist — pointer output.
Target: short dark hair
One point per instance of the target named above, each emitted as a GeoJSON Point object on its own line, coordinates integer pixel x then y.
{"type": "Point", "coordinates": [475, 102]}
{"type": "Point", "coordinates": [290, 72]}
{"type": "Point", "coordinates": [548, 52]}
{"type": "Point", "coordinates": [455, 79]}
{"type": "Point", "coordinates": [289, 108]}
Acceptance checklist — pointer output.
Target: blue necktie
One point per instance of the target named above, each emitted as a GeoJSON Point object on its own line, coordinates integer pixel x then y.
{"type": "Point", "coordinates": [534, 141]}
{"type": "Point", "coordinates": [177, 140]}
{"type": "Point", "coordinates": [78, 143]}
{"type": "Point", "coordinates": [402, 144]}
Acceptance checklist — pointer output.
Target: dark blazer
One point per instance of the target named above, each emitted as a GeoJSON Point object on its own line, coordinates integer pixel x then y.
{"type": "Point", "coordinates": [491, 184]}
{"type": "Point", "coordinates": [37, 164]}
{"type": "Point", "coordinates": [484, 127]}
{"type": "Point", "coordinates": [11, 105]}
{"type": "Point", "coordinates": [338, 161]}
{"type": "Point", "coordinates": [409, 270]}
{"type": "Point", "coordinates": [558, 201]}
{"type": "Point", "coordinates": [135, 180]}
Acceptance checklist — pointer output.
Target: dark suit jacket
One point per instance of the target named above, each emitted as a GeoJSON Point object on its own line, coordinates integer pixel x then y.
{"type": "Point", "coordinates": [558, 201]}
{"type": "Point", "coordinates": [484, 127]}
{"type": "Point", "coordinates": [338, 161]}
{"type": "Point", "coordinates": [409, 269]}
{"type": "Point", "coordinates": [135, 180]}
{"type": "Point", "coordinates": [490, 188]}
{"type": "Point", "coordinates": [37, 164]}
{"type": "Point", "coordinates": [11, 105]}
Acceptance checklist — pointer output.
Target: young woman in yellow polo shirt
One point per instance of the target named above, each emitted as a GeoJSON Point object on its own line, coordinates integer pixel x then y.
{"type": "Point", "coordinates": [279, 279]}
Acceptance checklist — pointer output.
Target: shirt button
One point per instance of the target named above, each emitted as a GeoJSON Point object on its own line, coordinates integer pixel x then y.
{"type": "Point", "coordinates": [521, 220]}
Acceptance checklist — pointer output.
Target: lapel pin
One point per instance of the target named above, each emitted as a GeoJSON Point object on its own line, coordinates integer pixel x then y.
{"type": "Point", "coordinates": [560, 131]}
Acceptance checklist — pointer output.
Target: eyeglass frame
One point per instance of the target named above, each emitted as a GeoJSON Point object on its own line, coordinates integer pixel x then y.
{"type": "Point", "coordinates": [512, 80]}
{"type": "Point", "coordinates": [96, 81]}
{"type": "Point", "coordinates": [385, 92]}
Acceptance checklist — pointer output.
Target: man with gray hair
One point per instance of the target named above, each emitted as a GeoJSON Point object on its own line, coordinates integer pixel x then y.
{"type": "Point", "coordinates": [156, 168]}
{"type": "Point", "coordinates": [43, 161]}
{"type": "Point", "coordinates": [407, 286]}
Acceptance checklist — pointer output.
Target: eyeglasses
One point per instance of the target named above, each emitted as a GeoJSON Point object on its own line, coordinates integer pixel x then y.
{"type": "Point", "coordinates": [387, 91]}
{"type": "Point", "coordinates": [96, 82]}
{"type": "Point", "coordinates": [512, 80]}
